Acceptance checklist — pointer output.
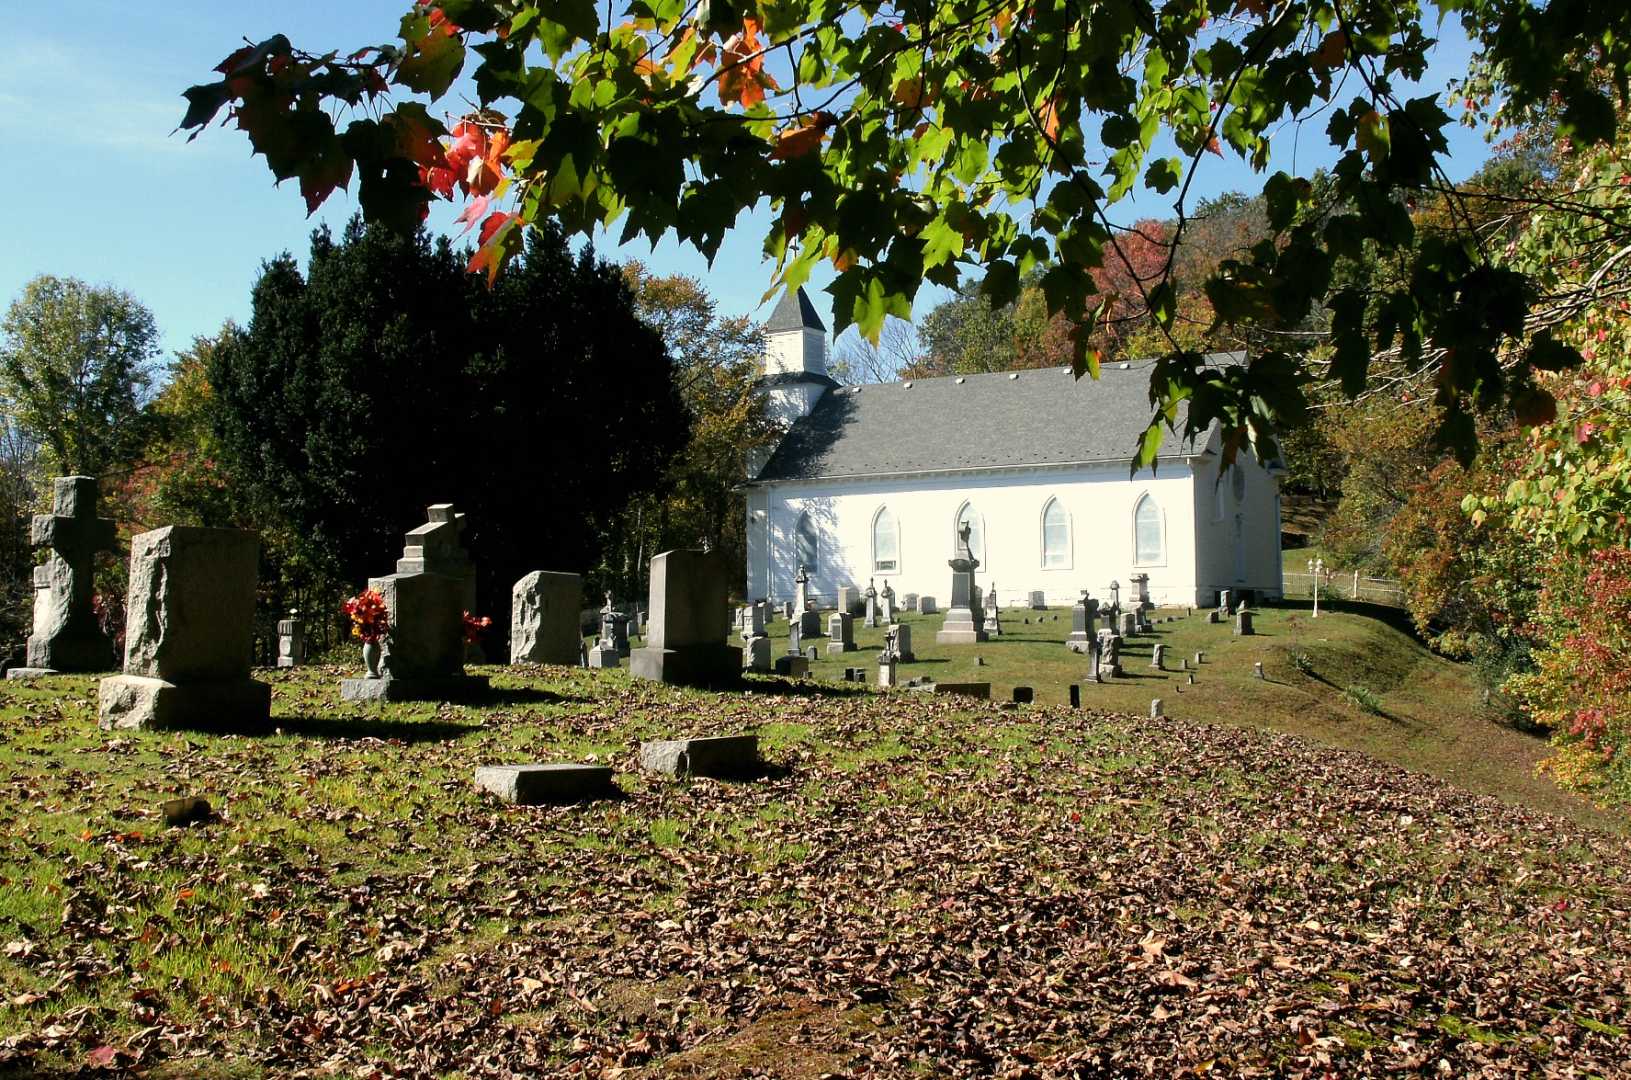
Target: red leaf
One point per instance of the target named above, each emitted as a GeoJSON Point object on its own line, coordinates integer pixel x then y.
{"type": "Point", "coordinates": [103, 1057]}
{"type": "Point", "coordinates": [472, 214]}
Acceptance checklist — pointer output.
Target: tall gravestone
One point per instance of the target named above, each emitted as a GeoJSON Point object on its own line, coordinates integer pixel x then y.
{"type": "Point", "coordinates": [960, 627]}
{"type": "Point", "coordinates": [809, 619]}
{"type": "Point", "coordinates": [291, 640]}
{"type": "Point", "coordinates": [1140, 589]}
{"type": "Point", "coordinates": [846, 598]}
{"type": "Point", "coordinates": [886, 604]}
{"type": "Point", "coordinates": [66, 636]}
{"type": "Point", "coordinates": [189, 629]}
{"type": "Point", "coordinates": [903, 642]}
{"type": "Point", "coordinates": [422, 656]}
{"type": "Point", "coordinates": [840, 632]}
{"type": "Point", "coordinates": [871, 605]}
{"type": "Point", "coordinates": [1084, 616]}
{"type": "Point", "coordinates": [544, 609]}
{"type": "Point", "coordinates": [992, 622]}
{"type": "Point", "coordinates": [688, 595]}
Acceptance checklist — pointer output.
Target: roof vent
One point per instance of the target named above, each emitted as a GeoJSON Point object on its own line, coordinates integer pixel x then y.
{"type": "Point", "coordinates": [959, 380]}
{"type": "Point", "coordinates": [1013, 374]}
{"type": "Point", "coordinates": [905, 386]}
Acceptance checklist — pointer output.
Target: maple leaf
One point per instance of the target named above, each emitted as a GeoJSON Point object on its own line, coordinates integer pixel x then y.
{"type": "Point", "coordinates": [472, 213]}
{"type": "Point", "coordinates": [742, 77]}
{"type": "Point", "coordinates": [796, 142]}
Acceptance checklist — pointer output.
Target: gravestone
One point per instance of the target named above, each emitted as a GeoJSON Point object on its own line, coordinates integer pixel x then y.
{"type": "Point", "coordinates": [804, 605]}
{"type": "Point", "coordinates": [887, 671]}
{"type": "Point", "coordinates": [1214, 616]}
{"type": "Point", "coordinates": [1093, 661]}
{"type": "Point", "coordinates": [1039, 602]}
{"type": "Point", "coordinates": [886, 604]}
{"type": "Point", "coordinates": [535, 785]}
{"type": "Point", "coordinates": [926, 606]}
{"type": "Point", "coordinates": [871, 605]}
{"type": "Point", "coordinates": [794, 639]}
{"type": "Point", "coordinates": [688, 594]}
{"type": "Point", "coordinates": [757, 653]}
{"type": "Point", "coordinates": [1024, 695]}
{"type": "Point", "coordinates": [903, 643]}
{"type": "Point", "coordinates": [1129, 624]}
{"type": "Point", "coordinates": [787, 610]}
{"type": "Point", "coordinates": [1158, 657]}
{"type": "Point", "coordinates": [840, 633]}
{"type": "Point", "coordinates": [1224, 601]}
{"type": "Point", "coordinates": [910, 602]}
{"type": "Point", "coordinates": [1257, 670]}
{"type": "Point", "coordinates": [961, 626]}
{"type": "Point", "coordinates": [793, 666]}
{"type": "Point", "coordinates": [189, 625]}
{"type": "Point", "coordinates": [714, 755]}
{"type": "Point", "coordinates": [544, 618]}
{"type": "Point", "coordinates": [422, 656]}
{"type": "Point", "coordinates": [291, 641]}
{"type": "Point", "coordinates": [1083, 615]}
{"type": "Point", "coordinates": [1243, 623]}
{"type": "Point", "coordinates": [846, 598]}
{"type": "Point", "coordinates": [1155, 709]}
{"type": "Point", "coordinates": [1075, 696]}
{"type": "Point", "coordinates": [602, 655]}
{"type": "Point", "coordinates": [750, 621]}
{"type": "Point", "coordinates": [1199, 657]}
{"type": "Point", "coordinates": [992, 623]}
{"type": "Point", "coordinates": [66, 636]}
{"type": "Point", "coordinates": [614, 628]}
{"type": "Point", "coordinates": [1111, 660]}
{"type": "Point", "coordinates": [1139, 587]}
{"type": "Point", "coordinates": [813, 653]}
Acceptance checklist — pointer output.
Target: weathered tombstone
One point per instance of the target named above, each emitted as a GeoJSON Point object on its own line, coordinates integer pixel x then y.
{"type": "Point", "coordinates": [1140, 590]}
{"type": "Point", "coordinates": [614, 628]}
{"type": "Point", "coordinates": [422, 657]}
{"type": "Point", "coordinates": [1257, 669]}
{"type": "Point", "coordinates": [1039, 602]}
{"type": "Point", "coordinates": [1075, 696]}
{"type": "Point", "coordinates": [795, 666]}
{"type": "Point", "coordinates": [533, 785]}
{"type": "Point", "coordinates": [1024, 695]}
{"type": "Point", "coordinates": [903, 643]}
{"type": "Point", "coordinates": [750, 621]}
{"type": "Point", "coordinates": [1112, 656]}
{"type": "Point", "coordinates": [840, 633]}
{"type": "Point", "coordinates": [871, 605]}
{"type": "Point", "coordinates": [602, 655]}
{"type": "Point", "coordinates": [1155, 709]}
{"type": "Point", "coordinates": [583, 654]}
{"type": "Point", "coordinates": [886, 669]}
{"type": "Point", "coordinates": [846, 598]}
{"type": "Point", "coordinates": [886, 604]}
{"type": "Point", "coordinates": [801, 590]}
{"type": "Point", "coordinates": [980, 690]}
{"type": "Point", "coordinates": [1158, 657]}
{"type": "Point", "coordinates": [1243, 623]}
{"type": "Point", "coordinates": [909, 602]}
{"type": "Point", "coordinates": [961, 626]}
{"type": "Point", "coordinates": [758, 654]}
{"type": "Point", "coordinates": [66, 636]}
{"type": "Point", "coordinates": [1129, 624]}
{"type": "Point", "coordinates": [682, 641]}
{"type": "Point", "coordinates": [787, 610]}
{"type": "Point", "coordinates": [714, 755]}
{"type": "Point", "coordinates": [1214, 616]}
{"type": "Point", "coordinates": [1199, 657]}
{"type": "Point", "coordinates": [544, 618]}
{"type": "Point", "coordinates": [1083, 615]}
{"type": "Point", "coordinates": [1224, 601]}
{"type": "Point", "coordinates": [926, 606]}
{"type": "Point", "coordinates": [979, 661]}
{"type": "Point", "coordinates": [794, 639]}
{"type": "Point", "coordinates": [813, 653]}
{"type": "Point", "coordinates": [291, 641]}
{"type": "Point", "coordinates": [992, 623]}
{"type": "Point", "coordinates": [1093, 661]}
{"type": "Point", "coordinates": [1191, 678]}
{"type": "Point", "coordinates": [189, 624]}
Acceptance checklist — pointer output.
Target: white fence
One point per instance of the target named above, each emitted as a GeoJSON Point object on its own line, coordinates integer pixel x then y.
{"type": "Point", "coordinates": [1352, 586]}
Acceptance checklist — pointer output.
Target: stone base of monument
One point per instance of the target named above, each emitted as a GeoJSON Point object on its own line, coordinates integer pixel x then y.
{"type": "Point", "coordinates": [980, 690]}
{"type": "Point", "coordinates": [444, 688]}
{"type": "Point", "coordinates": [30, 672]}
{"type": "Point", "coordinates": [718, 755]}
{"type": "Point", "coordinates": [810, 624]}
{"type": "Point", "coordinates": [693, 665]}
{"type": "Point", "coordinates": [836, 647]}
{"type": "Point", "coordinates": [533, 785]}
{"type": "Point", "coordinates": [959, 629]}
{"type": "Point", "coordinates": [1080, 644]}
{"type": "Point", "coordinates": [795, 666]}
{"type": "Point", "coordinates": [142, 703]}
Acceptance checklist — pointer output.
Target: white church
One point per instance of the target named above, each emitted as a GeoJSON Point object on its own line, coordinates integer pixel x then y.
{"type": "Point", "coordinates": [873, 483]}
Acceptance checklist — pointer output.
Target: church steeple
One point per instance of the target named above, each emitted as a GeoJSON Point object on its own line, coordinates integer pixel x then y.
{"type": "Point", "coordinates": [795, 337]}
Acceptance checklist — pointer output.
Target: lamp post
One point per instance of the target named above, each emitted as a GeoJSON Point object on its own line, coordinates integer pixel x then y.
{"type": "Point", "coordinates": [1316, 567]}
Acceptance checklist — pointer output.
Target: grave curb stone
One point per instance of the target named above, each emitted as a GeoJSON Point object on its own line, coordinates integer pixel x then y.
{"type": "Point", "coordinates": [533, 785]}
{"type": "Point", "coordinates": [143, 703]}
{"type": "Point", "coordinates": [712, 755]}
{"type": "Point", "coordinates": [442, 688]}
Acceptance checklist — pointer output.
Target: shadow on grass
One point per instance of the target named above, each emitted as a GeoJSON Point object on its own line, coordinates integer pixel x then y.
{"type": "Point", "coordinates": [340, 728]}
{"type": "Point", "coordinates": [528, 695]}
{"type": "Point", "coordinates": [802, 688]}
{"type": "Point", "coordinates": [1342, 692]}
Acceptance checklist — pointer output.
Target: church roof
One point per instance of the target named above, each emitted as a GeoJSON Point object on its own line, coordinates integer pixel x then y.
{"type": "Point", "coordinates": [1040, 416]}
{"type": "Point", "coordinates": [794, 312]}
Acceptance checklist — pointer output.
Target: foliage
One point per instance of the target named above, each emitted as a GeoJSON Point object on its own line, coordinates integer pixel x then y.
{"type": "Point", "coordinates": [475, 629]}
{"type": "Point", "coordinates": [385, 379]}
{"type": "Point", "coordinates": [909, 143]}
{"type": "Point", "coordinates": [370, 621]}
{"type": "Point", "coordinates": [1385, 449]}
{"type": "Point", "coordinates": [1581, 685]}
{"type": "Point", "coordinates": [716, 366]}
{"type": "Point", "coordinates": [74, 370]}
{"type": "Point", "coordinates": [1363, 698]}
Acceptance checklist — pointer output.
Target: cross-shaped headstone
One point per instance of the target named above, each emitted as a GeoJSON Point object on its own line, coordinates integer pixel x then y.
{"type": "Point", "coordinates": [66, 636]}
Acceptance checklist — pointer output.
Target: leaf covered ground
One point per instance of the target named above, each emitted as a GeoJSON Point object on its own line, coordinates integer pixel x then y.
{"type": "Point", "coordinates": [916, 886]}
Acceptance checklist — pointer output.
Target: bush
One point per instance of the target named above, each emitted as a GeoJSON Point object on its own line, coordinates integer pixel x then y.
{"type": "Point", "coordinates": [1364, 699]}
{"type": "Point", "coordinates": [1302, 662]}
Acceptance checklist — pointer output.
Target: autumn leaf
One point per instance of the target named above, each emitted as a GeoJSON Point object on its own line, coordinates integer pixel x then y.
{"type": "Point", "coordinates": [796, 142]}
{"type": "Point", "coordinates": [1332, 51]}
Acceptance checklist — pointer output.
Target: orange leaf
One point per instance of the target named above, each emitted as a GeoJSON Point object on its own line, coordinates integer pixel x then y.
{"type": "Point", "coordinates": [914, 95]}
{"type": "Point", "coordinates": [796, 142]}
{"type": "Point", "coordinates": [1050, 120]}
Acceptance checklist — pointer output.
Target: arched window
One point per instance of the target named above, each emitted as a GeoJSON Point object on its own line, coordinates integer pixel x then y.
{"type": "Point", "coordinates": [1055, 536]}
{"type": "Point", "coordinates": [976, 534]}
{"type": "Point", "coordinates": [1148, 545]}
{"type": "Point", "coordinates": [808, 542]}
{"type": "Point", "coordinates": [885, 543]}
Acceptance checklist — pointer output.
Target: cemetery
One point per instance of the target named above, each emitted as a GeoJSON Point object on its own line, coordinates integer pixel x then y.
{"type": "Point", "coordinates": [784, 540]}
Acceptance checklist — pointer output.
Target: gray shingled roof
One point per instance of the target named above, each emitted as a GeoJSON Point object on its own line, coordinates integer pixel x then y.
{"type": "Point", "coordinates": [794, 312]}
{"type": "Point", "coordinates": [1042, 417]}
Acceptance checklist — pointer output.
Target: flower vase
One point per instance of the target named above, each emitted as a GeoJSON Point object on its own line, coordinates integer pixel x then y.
{"type": "Point", "coordinates": [370, 658]}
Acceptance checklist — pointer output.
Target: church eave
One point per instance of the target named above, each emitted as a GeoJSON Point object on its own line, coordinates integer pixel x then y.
{"type": "Point", "coordinates": [975, 470]}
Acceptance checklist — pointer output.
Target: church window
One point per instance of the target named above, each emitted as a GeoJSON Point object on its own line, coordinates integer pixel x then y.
{"type": "Point", "coordinates": [808, 542]}
{"type": "Point", "coordinates": [1148, 547]}
{"type": "Point", "coordinates": [976, 533]}
{"type": "Point", "coordinates": [1055, 536]}
{"type": "Point", "coordinates": [885, 543]}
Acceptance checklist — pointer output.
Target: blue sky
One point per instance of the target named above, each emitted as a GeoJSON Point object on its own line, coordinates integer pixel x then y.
{"type": "Point", "coordinates": [99, 189]}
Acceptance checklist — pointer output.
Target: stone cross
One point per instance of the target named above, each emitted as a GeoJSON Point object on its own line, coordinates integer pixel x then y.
{"type": "Point", "coordinates": [66, 636]}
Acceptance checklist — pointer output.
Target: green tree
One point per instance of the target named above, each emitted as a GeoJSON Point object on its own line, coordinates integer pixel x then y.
{"type": "Point", "coordinates": [920, 142]}
{"type": "Point", "coordinates": [75, 366]}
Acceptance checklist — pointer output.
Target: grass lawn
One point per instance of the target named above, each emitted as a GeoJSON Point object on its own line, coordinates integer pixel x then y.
{"type": "Point", "coordinates": [919, 885]}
